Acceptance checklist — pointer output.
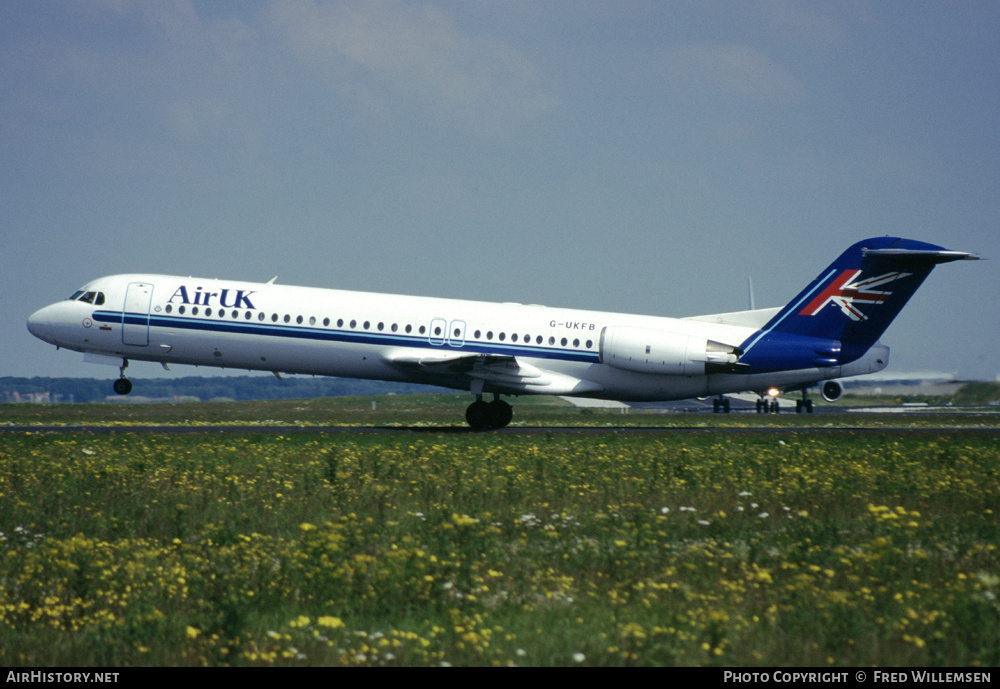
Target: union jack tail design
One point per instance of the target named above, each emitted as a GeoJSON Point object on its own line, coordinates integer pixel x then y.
{"type": "Point", "coordinates": [845, 291]}
{"type": "Point", "coordinates": [806, 333]}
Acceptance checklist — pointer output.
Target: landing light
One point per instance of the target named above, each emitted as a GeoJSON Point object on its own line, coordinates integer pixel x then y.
{"type": "Point", "coordinates": [773, 392]}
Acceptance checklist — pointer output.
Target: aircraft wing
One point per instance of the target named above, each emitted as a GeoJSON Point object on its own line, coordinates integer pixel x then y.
{"type": "Point", "coordinates": [499, 370]}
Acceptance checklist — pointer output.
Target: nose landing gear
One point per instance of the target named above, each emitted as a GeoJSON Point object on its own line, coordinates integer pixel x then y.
{"type": "Point", "coordinates": [123, 385]}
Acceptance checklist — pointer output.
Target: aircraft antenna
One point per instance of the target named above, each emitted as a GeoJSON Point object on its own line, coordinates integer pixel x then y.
{"type": "Point", "coordinates": [750, 292]}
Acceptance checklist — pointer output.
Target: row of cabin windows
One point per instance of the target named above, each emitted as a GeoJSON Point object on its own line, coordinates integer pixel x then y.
{"type": "Point", "coordinates": [353, 324]}
{"type": "Point", "coordinates": [300, 320]}
{"type": "Point", "coordinates": [527, 339]}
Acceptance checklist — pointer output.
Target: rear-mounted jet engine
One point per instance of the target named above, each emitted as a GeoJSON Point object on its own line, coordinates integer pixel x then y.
{"type": "Point", "coordinates": [668, 353]}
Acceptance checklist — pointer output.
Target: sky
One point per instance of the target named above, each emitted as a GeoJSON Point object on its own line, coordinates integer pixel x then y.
{"type": "Point", "coordinates": [632, 156]}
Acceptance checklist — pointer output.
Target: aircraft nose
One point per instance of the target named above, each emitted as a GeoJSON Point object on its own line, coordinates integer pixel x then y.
{"type": "Point", "coordinates": [39, 322]}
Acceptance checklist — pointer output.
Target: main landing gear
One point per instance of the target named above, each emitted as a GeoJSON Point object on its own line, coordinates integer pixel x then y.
{"type": "Point", "coordinates": [804, 405]}
{"type": "Point", "coordinates": [765, 406]}
{"type": "Point", "coordinates": [720, 404]}
{"type": "Point", "coordinates": [488, 416]}
{"type": "Point", "coordinates": [123, 385]}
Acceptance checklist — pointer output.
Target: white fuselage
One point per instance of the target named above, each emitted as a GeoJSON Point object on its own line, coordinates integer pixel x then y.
{"type": "Point", "coordinates": [478, 346]}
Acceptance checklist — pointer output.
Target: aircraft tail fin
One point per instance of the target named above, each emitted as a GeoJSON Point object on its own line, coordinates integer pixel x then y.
{"type": "Point", "coordinates": [845, 310]}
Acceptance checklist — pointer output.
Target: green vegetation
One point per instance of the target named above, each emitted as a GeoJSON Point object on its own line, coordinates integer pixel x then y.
{"type": "Point", "coordinates": [446, 410]}
{"type": "Point", "coordinates": [264, 387]}
{"type": "Point", "coordinates": [973, 394]}
{"type": "Point", "coordinates": [687, 547]}
{"type": "Point", "coordinates": [204, 388]}
{"type": "Point", "coordinates": [978, 394]}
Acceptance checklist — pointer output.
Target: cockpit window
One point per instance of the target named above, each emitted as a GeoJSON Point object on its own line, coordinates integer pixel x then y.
{"type": "Point", "coordinates": [95, 298]}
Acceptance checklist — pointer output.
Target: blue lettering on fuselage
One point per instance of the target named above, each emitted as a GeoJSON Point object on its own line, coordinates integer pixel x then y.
{"type": "Point", "coordinates": [239, 300]}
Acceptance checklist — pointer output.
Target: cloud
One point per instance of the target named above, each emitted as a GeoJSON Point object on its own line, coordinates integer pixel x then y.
{"type": "Point", "coordinates": [393, 55]}
{"type": "Point", "coordinates": [125, 64]}
{"type": "Point", "coordinates": [735, 70]}
{"type": "Point", "coordinates": [175, 18]}
{"type": "Point", "coordinates": [810, 24]}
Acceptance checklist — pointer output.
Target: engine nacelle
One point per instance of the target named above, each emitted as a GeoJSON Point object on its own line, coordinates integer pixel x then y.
{"type": "Point", "coordinates": [663, 352]}
{"type": "Point", "coordinates": [831, 390]}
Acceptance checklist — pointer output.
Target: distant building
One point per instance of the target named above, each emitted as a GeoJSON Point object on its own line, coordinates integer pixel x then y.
{"type": "Point", "coordinates": [16, 397]}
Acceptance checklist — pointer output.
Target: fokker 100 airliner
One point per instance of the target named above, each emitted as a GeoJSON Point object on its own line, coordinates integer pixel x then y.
{"type": "Point", "coordinates": [830, 330]}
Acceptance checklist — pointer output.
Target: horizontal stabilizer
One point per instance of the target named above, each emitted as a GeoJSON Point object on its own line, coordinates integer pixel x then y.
{"type": "Point", "coordinates": [932, 256]}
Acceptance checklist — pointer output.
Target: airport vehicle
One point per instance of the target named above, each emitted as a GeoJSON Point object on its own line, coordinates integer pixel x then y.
{"type": "Point", "coordinates": [830, 330]}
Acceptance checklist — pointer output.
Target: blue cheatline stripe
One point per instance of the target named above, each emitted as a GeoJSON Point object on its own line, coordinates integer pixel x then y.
{"type": "Point", "coordinates": [790, 311]}
{"type": "Point", "coordinates": [346, 336]}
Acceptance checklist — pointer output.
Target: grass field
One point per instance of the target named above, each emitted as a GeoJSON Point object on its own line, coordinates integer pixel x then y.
{"type": "Point", "coordinates": [684, 547]}
{"type": "Point", "coordinates": [446, 410]}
